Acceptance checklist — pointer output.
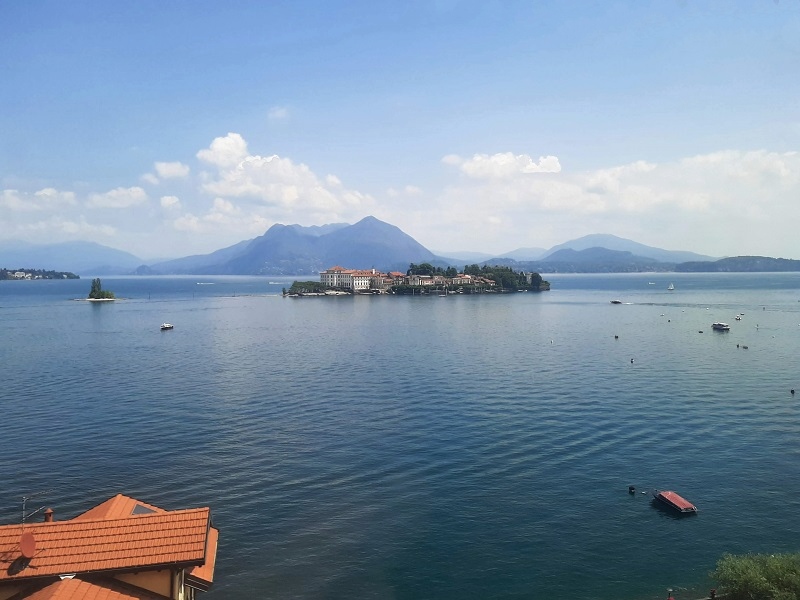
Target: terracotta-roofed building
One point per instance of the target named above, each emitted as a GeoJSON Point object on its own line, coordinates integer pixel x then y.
{"type": "Point", "coordinates": [352, 279]}
{"type": "Point", "coordinates": [122, 548]}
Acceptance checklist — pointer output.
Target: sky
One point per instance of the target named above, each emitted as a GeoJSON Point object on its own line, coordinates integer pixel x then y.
{"type": "Point", "coordinates": [172, 128]}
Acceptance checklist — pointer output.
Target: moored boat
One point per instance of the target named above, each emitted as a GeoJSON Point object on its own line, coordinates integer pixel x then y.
{"type": "Point", "coordinates": [674, 501]}
{"type": "Point", "coordinates": [720, 326]}
{"type": "Point", "coordinates": [165, 326]}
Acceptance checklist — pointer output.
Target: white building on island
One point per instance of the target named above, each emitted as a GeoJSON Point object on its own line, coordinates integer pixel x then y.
{"type": "Point", "coordinates": [352, 279]}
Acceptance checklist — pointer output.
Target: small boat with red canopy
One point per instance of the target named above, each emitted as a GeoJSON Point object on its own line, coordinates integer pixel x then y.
{"type": "Point", "coordinates": [675, 501]}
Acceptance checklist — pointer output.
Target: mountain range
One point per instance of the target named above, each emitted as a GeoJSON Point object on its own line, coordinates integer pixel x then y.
{"type": "Point", "coordinates": [369, 243]}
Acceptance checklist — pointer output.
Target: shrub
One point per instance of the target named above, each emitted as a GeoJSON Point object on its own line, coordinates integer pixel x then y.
{"type": "Point", "coordinates": [759, 576]}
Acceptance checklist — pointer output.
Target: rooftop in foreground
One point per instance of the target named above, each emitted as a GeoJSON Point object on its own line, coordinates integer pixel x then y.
{"type": "Point", "coordinates": [121, 548]}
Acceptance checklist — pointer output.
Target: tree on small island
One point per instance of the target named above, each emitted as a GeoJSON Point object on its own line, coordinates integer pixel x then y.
{"type": "Point", "coordinates": [98, 293]}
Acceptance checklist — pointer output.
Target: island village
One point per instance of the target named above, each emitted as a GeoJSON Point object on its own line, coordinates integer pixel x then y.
{"type": "Point", "coordinates": [419, 279]}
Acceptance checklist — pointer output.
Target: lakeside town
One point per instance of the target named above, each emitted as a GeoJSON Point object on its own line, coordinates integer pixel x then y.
{"type": "Point", "coordinates": [418, 280]}
{"type": "Point", "coordinates": [28, 274]}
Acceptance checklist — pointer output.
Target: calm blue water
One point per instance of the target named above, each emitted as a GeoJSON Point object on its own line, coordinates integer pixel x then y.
{"type": "Point", "coordinates": [459, 447]}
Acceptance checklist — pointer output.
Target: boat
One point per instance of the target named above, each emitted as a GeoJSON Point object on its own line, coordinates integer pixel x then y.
{"type": "Point", "coordinates": [616, 302]}
{"type": "Point", "coordinates": [674, 501]}
{"type": "Point", "coordinates": [670, 287]}
{"type": "Point", "coordinates": [720, 326]}
{"type": "Point", "coordinates": [166, 326]}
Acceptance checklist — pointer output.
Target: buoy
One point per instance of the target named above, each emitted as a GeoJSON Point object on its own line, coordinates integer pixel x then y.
{"type": "Point", "coordinates": [792, 391]}
{"type": "Point", "coordinates": [616, 337]}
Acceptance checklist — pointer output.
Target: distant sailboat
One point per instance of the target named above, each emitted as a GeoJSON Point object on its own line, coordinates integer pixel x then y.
{"type": "Point", "coordinates": [670, 287]}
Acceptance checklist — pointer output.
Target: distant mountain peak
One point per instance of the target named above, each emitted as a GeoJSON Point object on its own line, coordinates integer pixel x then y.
{"type": "Point", "coordinates": [613, 242]}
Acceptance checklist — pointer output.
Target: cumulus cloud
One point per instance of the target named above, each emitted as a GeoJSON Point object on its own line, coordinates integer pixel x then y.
{"type": "Point", "coordinates": [151, 179]}
{"type": "Point", "coordinates": [170, 202]}
{"type": "Point", "coordinates": [118, 198]}
{"type": "Point", "coordinates": [44, 199]}
{"type": "Point", "coordinates": [276, 183]}
{"type": "Point", "coordinates": [171, 170]}
{"type": "Point", "coordinates": [222, 216]}
{"type": "Point", "coordinates": [502, 165]}
{"type": "Point", "coordinates": [50, 197]}
{"type": "Point", "coordinates": [225, 152]}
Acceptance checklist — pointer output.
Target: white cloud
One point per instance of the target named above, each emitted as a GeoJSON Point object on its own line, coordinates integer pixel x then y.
{"type": "Point", "coordinates": [188, 222]}
{"type": "Point", "coordinates": [502, 165]}
{"type": "Point", "coordinates": [170, 202]}
{"type": "Point", "coordinates": [489, 202]}
{"type": "Point", "coordinates": [150, 178]}
{"type": "Point", "coordinates": [225, 152]}
{"type": "Point", "coordinates": [44, 199]}
{"type": "Point", "coordinates": [118, 198]}
{"type": "Point", "coordinates": [277, 184]}
{"type": "Point", "coordinates": [51, 197]}
{"type": "Point", "coordinates": [409, 190]}
{"type": "Point", "coordinates": [222, 206]}
{"type": "Point", "coordinates": [748, 195]}
{"type": "Point", "coordinates": [171, 170]}
{"type": "Point", "coordinates": [75, 229]}
{"type": "Point", "coordinates": [13, 200]}
{"type": "Point", "coordinates": [222, 217]}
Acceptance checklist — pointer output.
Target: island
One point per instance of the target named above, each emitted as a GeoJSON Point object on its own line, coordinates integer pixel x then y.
{"type": "Point", "coordinates": [422, 279]}
{"type": "Point", "coordinates": [29, 274]}
{"type": "Point", "coordinates": [98, 294]}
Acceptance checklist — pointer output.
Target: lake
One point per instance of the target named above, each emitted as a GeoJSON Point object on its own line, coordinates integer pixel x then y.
{"type": "Point", "coordinates": [419, 447]}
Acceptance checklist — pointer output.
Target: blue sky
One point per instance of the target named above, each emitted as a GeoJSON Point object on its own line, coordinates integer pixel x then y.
{"type": "Point", "coordinates": [175, 128]}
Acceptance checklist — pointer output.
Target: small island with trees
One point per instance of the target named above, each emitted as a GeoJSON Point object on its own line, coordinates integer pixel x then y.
{"type": "Point", "coordinates": [98, 294]}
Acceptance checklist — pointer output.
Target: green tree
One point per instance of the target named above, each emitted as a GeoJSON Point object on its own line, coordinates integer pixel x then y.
{"type": "Point", "coordinates": [98, 293]}
{"type": "Point", "coordinates": [759, 576]}
{"type": "Point", "coordinates": [423, 269]}
{"type": "Point", "coordinates": [472, 269]}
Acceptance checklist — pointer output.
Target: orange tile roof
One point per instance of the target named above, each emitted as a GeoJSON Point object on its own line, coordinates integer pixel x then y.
{"type": "Point", "coordinates": [203, 576]}
{"type": "Point", "coordinates": [86, 545]}
{"type": "Point", "coordinates": [77, 589]}
{"type": "Point", "coordinates": [116, 507]}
